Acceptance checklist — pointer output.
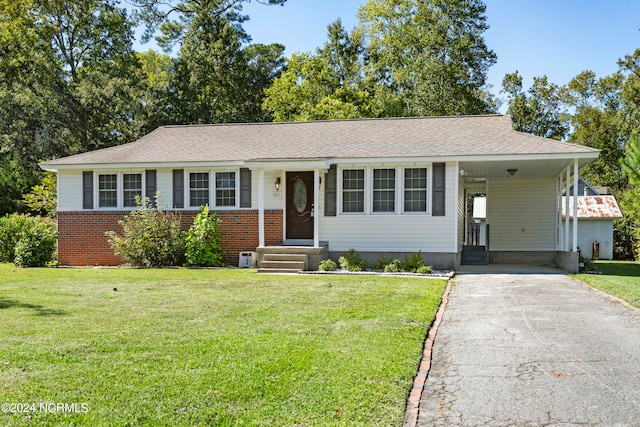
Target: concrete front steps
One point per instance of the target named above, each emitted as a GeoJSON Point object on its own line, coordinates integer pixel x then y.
{"type": "Point", "coordinates": [290, 259]}
{"type": "Point", "coordinates": [283, 263]}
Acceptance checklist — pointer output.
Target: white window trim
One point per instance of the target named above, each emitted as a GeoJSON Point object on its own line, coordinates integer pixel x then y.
{"type": "Point", "coordinates": [368, 189]}
{"type": "Point", "coordinates": [187, 188]}
{"type": "Point", "coordinates": [429, 190]}
{"type": "Point", "coordinates": [212, 188]}
{"type": "Point", "coordinates": [339, 180]}
{"type": "Point", "coordinates": [213, 196]}
{"type": "Point", "coordinates": [119, 189]}
{"type": "Point", "coordinates": [395, 207]}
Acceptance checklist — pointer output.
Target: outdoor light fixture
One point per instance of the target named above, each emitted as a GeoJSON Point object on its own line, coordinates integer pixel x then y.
{"type": "Point", "coordinates": [278, 184]}
{"type": "Point", "coordinates": [512, 172]}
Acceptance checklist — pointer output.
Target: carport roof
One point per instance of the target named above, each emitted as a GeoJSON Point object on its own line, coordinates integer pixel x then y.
{"type": "Point", "coordinates": [420, 137]}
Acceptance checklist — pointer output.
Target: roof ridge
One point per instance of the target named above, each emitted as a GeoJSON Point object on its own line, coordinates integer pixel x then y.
{"type": "Point", "coordinates": [360, 119]}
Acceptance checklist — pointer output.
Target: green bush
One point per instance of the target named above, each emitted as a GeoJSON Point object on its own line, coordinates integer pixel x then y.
{"type": "Point", "coordinates": [380, 264]}
{"type": "Point", "coordinates": [37, 245]}
{"type": "Point", "coordinates": [151, 237]}
{"type": "Point", "coordinates": [413, 262]}
{"type": "Point", "coordinates": [327, 265]}
{"type": "Point", "coordinates": [11, 227]}
{"type": "Point", "coordinates": [425, 269]}
{"type": "Point", "coordinates": [387, 264]}
{"type": "Point", "coordinates": [203, 240]}
{"type": "Point", "coordinates": [393, 266]}
{"type": "Point", "coordinates": [352, 261]}
{"type": "Point", "coordinates": [27, 241]}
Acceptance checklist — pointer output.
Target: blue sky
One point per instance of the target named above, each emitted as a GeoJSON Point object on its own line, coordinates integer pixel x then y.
{"type": "Point", "coordinates": [557, 38]}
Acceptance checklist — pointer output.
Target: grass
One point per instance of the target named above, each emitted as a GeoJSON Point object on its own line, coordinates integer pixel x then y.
{"type": "Point", "coordinates": [618, 278]}
{"type": "Point", "coordinates": [210, 347]}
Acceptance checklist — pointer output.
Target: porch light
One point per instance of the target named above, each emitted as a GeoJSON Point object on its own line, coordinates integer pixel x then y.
{"type": "Point", "coordinates": [278, 184]}
{"type": "Point", "coordinates": [512, 171]}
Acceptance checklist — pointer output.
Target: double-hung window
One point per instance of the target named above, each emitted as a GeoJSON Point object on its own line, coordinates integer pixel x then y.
{"type": "Point", "coordinates": [353, 190]}
{"type": "Point", "coordinates": [415, 190]}
{"type": "Point", "coordinates": [131, 187]}
{"type": "Point", "coordinates": [384, 190]}
{"type": "Point", "coordinates": [108, 190]}
{"type": "Point", "coordinates": [225, 189]}
{"type": "Point", "coordinates": [198, 189]}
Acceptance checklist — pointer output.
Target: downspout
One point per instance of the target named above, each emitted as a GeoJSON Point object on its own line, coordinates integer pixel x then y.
{"type": "Point", "coordinates": [261, 208]}
{"type": "Point", "coordinates": [566, 211]}
{"type": "Point", "coordinates": [575, 205]}
{"type": "Point", "coordinates": [316, 208]}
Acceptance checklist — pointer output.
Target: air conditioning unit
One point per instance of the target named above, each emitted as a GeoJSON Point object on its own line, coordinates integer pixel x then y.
{"type": "Point", "coordinates": [247, 260]}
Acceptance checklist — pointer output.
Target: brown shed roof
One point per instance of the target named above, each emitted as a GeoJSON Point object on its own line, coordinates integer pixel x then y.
{"type": "Point", "coordinates": [363, 138]}
{"type": "Point", "coordinates": [594, 207]}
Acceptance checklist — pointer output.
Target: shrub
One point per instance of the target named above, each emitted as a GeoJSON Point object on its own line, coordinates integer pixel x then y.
{"type": "Point", "coordinates": [393, 266]}
{"type": "Point", "coordinates": [151, 237]}
{"type": "Point", "coordinates": [387, 264]}
{"type": "Point", "coordinates": [327, 265]}
{"type": "Point", "coordinates": [352, 261]}
{"type": "Point", "coordinates": [425, 269]}
{"type": "Point", "coordinates": [37, 244]}
{"type": "Point", "coordinates": [27, 241]}
{"type": "Point", "coordinates": [11, 227]}
{"type": "Point", "coordinates": [413, 262]}
{"type": "Point", "coordinates": [203, 240]}
{"type": "Point", "coordinates": [381, 263]}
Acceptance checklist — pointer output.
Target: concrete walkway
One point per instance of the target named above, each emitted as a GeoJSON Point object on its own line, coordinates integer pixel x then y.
{"type": "Point", "coordinates": [533, 350]}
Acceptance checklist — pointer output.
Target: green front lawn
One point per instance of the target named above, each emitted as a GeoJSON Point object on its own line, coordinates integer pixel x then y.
{"type": "Point", "coordinates": [618, 278]}
{"type": "Point", "coordinates": [209, 347]}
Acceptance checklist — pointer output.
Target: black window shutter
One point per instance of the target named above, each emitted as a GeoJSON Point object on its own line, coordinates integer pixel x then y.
{"type": "Point", "coordinates": [330, 191]}
{"type": "Point", "coordinates": [87, 190]}
{"type": "Point", "coordinates": [178, 188]}
{"type": "Point", "coordinates": [438, 189]}
{"type": "Point", "coordinates": [150, 185]}
{"type": "Point", "coordinates": [245, 188]}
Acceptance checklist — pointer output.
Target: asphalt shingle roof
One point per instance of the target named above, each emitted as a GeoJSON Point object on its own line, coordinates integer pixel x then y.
{"type": "Point", "coordinates": [363, 138]}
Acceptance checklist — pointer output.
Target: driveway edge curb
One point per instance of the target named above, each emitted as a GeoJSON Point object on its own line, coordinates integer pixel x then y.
{"type": "Point", "coordinates": [413, 401]}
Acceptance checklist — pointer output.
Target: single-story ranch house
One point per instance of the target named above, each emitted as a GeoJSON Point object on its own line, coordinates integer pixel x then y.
{"type": "Point", "coordinates": [382, 186]}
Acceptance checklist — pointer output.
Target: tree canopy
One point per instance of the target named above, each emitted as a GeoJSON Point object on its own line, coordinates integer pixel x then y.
{"type": "Point", "coordinates": [404, 58]}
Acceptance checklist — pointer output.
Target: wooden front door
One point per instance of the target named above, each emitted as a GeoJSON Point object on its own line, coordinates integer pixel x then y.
{"type": "Point", "coordinates": [299, 205]}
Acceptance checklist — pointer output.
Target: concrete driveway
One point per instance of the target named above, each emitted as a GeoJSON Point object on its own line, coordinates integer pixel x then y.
{"type": "Point", "coordinates": [535, 349]}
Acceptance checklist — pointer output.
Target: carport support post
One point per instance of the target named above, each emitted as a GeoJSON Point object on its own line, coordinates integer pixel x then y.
{"type": "Point", "coordinates": [261, 208]}
{"type": "Point", "coordinates": [316, 208]}
{"type": "Point", "coordinates": [575, 205]}
{"type": "Point", "coordinates": [566, 211]}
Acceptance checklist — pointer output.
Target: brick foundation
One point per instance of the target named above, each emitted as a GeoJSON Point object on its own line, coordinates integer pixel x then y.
{"type": "Point", "coordinates": [82, 241]}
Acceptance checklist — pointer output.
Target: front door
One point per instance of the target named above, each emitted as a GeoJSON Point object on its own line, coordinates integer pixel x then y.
{"type": "Point", "coordinates": [299, 205]}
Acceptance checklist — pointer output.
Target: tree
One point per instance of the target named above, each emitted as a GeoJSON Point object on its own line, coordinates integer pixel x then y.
{"type": "Point", "coordinates": [598, 121]}
{"type": "Point", "coordinates": [631, 200]}
{"type": "Point", "coordinates": [42, 198]}
{"type": "Point", "coordinates": [215, 78]}
{"type": "Point", "coordinates": [630, 69]}
{"type": "Point", "coordinates": [310, 90]}
{"type": "Point", "coordinates": [157, 15]}
{"type": "Point", "coordinates": [31, 94]}
{"type": "Point", "coordinates": [329, 84]}
{"type": "Point", "coordinates": [429, 54]}
{"type": "Point", "coordinates": [154, 76]}
{"type": "Point", "coordinates": [537, 111]}
{"type": "Point", "coordinates": [65, 85]}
